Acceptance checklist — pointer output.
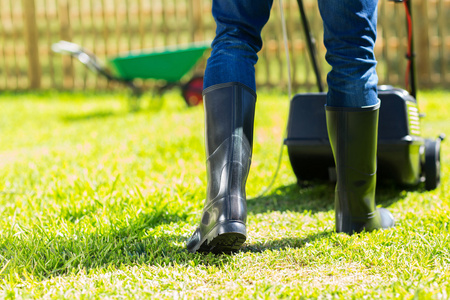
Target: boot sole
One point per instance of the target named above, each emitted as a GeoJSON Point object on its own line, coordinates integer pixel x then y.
{"type": "Point", "coordinates": [223, 238]}
{"type": "Point", "coordinates": [386, 221]}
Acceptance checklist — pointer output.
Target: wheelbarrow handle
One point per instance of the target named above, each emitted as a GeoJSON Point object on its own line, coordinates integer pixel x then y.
{"type": "Point", "coordinates": [92, 62]}
{"type": "Point", "coordinates": [85, 57]}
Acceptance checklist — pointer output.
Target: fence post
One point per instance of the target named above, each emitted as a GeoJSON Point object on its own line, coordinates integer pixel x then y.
{"type": "Point", "coordinates": [196, 15]}
{"type": "Point", "coordinates": [65, 34]}
{"type": "Point", "coordinates": [31, 39]}
{"type": "Point", "coordinates": [422, 42]}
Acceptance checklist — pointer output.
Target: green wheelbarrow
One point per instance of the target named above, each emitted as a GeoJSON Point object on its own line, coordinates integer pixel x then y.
{"type": "Point", "coordinates": [169, 64]}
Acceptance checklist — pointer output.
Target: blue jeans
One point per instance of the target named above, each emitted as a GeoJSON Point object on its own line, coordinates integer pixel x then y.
{"type": "Point", "coordinates": [349, 36]}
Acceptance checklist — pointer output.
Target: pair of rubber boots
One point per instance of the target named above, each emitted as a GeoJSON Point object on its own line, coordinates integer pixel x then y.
{"type": "Point", "coordinates": [229, 112]}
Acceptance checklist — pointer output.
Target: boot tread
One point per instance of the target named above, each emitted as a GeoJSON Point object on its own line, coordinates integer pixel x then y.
{"type": "Point", "coordinates": [223, 243]}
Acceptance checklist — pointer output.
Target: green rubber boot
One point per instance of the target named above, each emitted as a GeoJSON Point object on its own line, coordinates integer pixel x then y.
{"type": "Point", "coordinates": [353, 134]}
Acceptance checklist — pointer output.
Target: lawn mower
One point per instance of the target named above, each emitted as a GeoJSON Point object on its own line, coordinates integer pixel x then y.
{"type": "Point", "coordinates": [169, 64]}
{"type": "Point", "coordinates": [404, 156]}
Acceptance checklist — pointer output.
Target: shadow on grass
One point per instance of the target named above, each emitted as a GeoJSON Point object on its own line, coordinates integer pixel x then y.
{"type": "Point", "coordinates": [133, 107]}
{"type": "Point", "coordinates": [317, 196]}
{"type": "Point", "coordinates": [388, 193]}
{"type": "Point", "coordinates": [90, 116]}
{"type": "Point", "coordinates": [313, 197]}
{"type": "Point", "coordinates": [287, 243]}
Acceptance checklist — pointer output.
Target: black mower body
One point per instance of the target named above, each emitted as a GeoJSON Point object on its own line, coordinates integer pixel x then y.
{"type": "Point", "coordinates": [401, 149]}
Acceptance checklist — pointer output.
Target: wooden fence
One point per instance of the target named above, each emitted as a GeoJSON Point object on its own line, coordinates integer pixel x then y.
{"type": "Point", "coordinates": [28, 28]}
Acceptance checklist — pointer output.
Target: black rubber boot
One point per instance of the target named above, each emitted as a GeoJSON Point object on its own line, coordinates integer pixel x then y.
{"type": "Point", "coordinates": [353, 134]}
{"type": "Point", "coordinates": [229, 115]}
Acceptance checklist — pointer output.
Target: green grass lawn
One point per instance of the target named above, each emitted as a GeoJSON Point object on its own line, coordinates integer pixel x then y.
{"type": "Point", "coordinates": [97, 202]}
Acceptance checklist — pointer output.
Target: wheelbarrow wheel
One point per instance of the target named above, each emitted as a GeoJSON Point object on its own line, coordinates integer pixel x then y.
{"type": "Point", "coordinates": [192, 91]}
{"type": "Point", "coordinates": [432, 163]}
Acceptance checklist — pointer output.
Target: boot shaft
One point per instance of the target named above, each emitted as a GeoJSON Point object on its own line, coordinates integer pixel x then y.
{"type": "Point", "coordinates": [229, 115]}
{"type": "Point", "coordinates": [229, 110]}
{"type": "Point", "coordinates": [353, 134]}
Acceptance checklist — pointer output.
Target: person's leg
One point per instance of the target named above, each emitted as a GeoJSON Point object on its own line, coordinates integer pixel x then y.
{"type": "Point", "coordinates": [352, 111]}
{"type": "Point", "coordinates": [229, 99]}
{"type": "Point", "coordinates": [349, 36]}
{"type": "Point", "coordinates": [237, 41]}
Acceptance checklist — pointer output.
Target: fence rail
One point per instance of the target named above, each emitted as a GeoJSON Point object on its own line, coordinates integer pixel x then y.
{"type": "Point", "coordinates": [28, 28]}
